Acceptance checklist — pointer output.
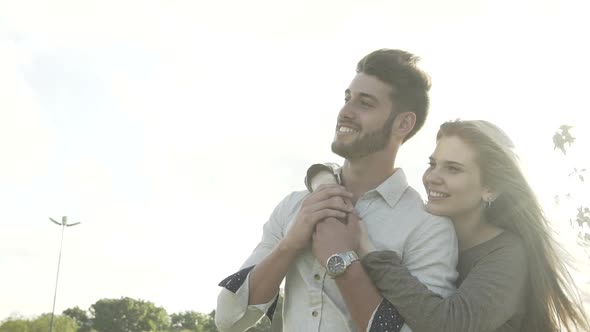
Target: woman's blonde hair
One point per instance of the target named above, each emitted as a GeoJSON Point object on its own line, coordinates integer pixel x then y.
{"type": "Point", "coordinates": [553, 301]}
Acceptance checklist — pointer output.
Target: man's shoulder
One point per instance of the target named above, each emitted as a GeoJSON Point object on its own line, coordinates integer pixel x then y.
{"type": "Point", "coordinates": [295, 197]}
{"type": "Point", "coordinates": [293, 200]}
{"type": "Point", "coordinates": [411, 198]}
{"type": "Point", "coordinates": [414, 204]}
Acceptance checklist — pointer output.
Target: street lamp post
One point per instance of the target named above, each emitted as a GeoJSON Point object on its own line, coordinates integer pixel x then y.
{"type": "Point", "coordinates": [63, 224]}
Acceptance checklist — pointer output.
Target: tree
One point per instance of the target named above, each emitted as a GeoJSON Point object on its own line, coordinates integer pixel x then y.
{"type": "Point", "coordinates": [60, 323]}
{"type": "Point", "coordinates": [81, 318]}
{"type": "Point", "coordinates": [128, 315]}
{"type": "Point", "coordinates": [207, 323]}
{"type": "Point", "coordinates": [187, 320]}
{"type": "Point", "coordinates": [581, 221]}
{"type": "Point", "coordinates": [40, 324]}
{"type": "Point", "coordinates": [16, 325]}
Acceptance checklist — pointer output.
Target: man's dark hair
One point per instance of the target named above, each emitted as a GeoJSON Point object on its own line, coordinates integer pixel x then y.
{"type": "Point", "coordinates": [409, 83]}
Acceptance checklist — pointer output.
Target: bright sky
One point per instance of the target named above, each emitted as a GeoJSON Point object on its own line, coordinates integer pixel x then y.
{"type": "Point", "coordinates": [170, 129]}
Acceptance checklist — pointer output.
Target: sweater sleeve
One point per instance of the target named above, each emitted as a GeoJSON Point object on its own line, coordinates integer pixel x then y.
{"type": "Point", "coordinates": [488, 297]}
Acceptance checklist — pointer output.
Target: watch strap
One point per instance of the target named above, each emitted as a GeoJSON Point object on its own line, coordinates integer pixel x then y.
{"type": "Point", "coordinates": [347, 258]}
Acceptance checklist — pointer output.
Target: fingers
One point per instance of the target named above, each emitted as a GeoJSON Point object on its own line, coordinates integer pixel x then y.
{"type": "Point", "coordinates": [327, 186]}
{"type": "Point", "coordinates": [314, 218]}
{"type": "Point", "coordinates": [332, 203]}
{"type": "Point", "coordinates": [327, 215]}
{"type": "Point", "coordinates": [328, 191]}
{"type": "Point", "coordinates": [348, 203]}
{"type": "Point", "coordinates": [352, 217]}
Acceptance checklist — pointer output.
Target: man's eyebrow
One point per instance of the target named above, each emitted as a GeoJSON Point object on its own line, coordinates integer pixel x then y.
{"type": "Point", "coordinates": [363, 95]}
{"type": "Point", "coordinates": [366, 95]}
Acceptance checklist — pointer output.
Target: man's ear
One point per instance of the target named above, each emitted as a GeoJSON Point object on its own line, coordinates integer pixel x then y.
{"type": "Point", "coordinates": [404, 123]}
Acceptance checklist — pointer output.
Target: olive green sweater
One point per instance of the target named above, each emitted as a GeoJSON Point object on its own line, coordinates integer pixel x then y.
{"type": "Point", "coordinates": [490, 296]}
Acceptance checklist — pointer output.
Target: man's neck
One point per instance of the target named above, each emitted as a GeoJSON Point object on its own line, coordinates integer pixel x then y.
{"type": "Point", "coordinates": [367, 173]}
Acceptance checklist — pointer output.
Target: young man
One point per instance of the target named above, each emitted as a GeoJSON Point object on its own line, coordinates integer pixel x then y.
{"type": "Point", "coordinates": [326, 288]}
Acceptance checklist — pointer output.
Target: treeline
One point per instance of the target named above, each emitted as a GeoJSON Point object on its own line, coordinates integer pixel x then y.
{"type": "Point", "coordinates": [125, 315]}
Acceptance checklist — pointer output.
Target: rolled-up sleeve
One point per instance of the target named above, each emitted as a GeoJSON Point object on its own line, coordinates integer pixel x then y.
{"type": "Point", "coordinates": [233, 313]}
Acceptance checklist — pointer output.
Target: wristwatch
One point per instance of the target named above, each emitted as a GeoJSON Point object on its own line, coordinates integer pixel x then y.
{"type": "Point", "coordinates": [338, 263]}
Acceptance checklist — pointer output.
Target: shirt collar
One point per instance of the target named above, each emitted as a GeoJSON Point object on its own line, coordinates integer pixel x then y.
{"type": "Point", "coordinates": [391, 189]}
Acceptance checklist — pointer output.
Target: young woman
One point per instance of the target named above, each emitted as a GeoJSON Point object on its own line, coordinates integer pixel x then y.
{"type": "Point", "coordinates": [512, 274]}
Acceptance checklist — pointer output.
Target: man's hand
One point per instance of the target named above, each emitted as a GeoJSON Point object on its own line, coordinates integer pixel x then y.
{"type": "Point", "coordinates": [332, 236]}
{"type": "Point", "coordinates": [328, 201]}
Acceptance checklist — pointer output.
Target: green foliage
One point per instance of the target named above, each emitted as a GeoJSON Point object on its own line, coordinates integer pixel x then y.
{"type": "Point", "coordinates": [60, 323]}
{"type": "Point", "coordinates": [18, 325]}
{"type": "Point", "coordinates": [581, 221]}
{"type": "Point", "coordinates": [40, 324]}
{"type": "Point", "coordinates": [81, 318]}
{"type": "Point", "coordinates": [207, 323]}
{"type": "Point", "coordinates": [186, 321]}
{"type": "Point", "coordinates": [128, 315]}
{"type": "Point", "coordinates": [562, 137]}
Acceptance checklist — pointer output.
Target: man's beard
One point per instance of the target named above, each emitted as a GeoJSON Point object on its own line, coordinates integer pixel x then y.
{"type": "Point", "coordinates": [366, 144]}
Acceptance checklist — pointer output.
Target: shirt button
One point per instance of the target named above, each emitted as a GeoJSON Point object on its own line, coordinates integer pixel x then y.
{"type": "Point", "coordinates": [314, 313]}
{"type": "Point", "coordinates": [316, 276]}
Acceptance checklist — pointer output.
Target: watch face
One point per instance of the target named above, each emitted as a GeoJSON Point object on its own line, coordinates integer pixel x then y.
{"type": "Point", "coordinates": [336, 265]}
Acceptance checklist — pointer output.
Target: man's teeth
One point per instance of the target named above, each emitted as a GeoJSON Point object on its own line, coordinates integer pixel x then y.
{"type": "Point", "coordinates": [436, 194]}
{"type": "Point", "coordinates": [346, 130]}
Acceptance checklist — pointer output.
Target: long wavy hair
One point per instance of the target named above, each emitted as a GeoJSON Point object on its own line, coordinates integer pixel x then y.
{"type": "Point", "coordinates": [553, 301]}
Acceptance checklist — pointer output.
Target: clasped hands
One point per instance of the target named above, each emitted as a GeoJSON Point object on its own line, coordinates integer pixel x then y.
{"type": "Point", "coordinates": [327, 220]}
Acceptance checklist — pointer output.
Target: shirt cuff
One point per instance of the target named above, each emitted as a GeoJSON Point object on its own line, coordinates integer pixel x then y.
{"type": "Point", "coordinates": [314, 169]}
{"type": "Point", "coordinates": [385, 319]}
{"type": "Point", "coordinates": [238, 283]}
{"type": "Point", "coordinates": [236, 280]}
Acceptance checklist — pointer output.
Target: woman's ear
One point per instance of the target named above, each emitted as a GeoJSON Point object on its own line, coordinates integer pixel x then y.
{"type": "Point", "coordinates": [489, 195]}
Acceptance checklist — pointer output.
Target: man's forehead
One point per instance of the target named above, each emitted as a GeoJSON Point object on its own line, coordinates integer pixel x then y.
{"type": "Point", "coordinates": [367, 84]}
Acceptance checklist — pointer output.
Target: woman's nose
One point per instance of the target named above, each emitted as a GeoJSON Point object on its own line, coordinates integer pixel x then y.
{"type": "Point", "coordinates": [432, 176]}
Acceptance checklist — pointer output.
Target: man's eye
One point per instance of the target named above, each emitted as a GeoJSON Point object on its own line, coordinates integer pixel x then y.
{"type": "Point", "coordinates": [453, 169]}
{"type": "Point", "coordinates": [366, 104]}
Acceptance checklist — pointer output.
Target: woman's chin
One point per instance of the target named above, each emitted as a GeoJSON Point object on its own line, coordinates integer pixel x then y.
{"type": "Point", "coordinates": [435, 210]}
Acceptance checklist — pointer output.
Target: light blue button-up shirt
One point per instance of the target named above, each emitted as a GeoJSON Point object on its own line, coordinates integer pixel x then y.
{"type": "Point", "coordinates": [395, 219]}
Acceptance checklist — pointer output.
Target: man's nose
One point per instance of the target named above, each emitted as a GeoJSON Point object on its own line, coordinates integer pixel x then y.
{"type": "Point", "coordinates": [346, 112]}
